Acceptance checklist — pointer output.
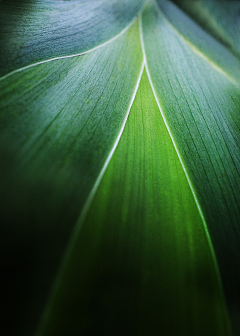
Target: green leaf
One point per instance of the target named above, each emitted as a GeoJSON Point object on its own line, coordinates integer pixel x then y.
{"type": "Point", "coordinates": [120, 180]}
{"type": "Point", "coordinates": [142, 254]}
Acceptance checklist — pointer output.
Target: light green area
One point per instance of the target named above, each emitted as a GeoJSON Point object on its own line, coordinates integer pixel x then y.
{"type": "Point", "coordinates": [202, 114]}
{"type": "Point", "coordinates": [141, 264]}
{"type": "Point", "coordinates": [34, 31]}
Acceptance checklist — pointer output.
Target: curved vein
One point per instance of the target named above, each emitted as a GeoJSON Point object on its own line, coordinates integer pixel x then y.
{"type": "Point", "coordinates": [86, 207]}
{"type": "Point", "coordinates": [180, 159]}
{"type": "Point", "coordinates": [73, 55]}
{"type": "Point", "coordinates": [195, 49]}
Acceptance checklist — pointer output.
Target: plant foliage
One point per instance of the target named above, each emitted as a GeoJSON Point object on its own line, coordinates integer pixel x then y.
{"type": "Point", "coordinates": [120, 184]}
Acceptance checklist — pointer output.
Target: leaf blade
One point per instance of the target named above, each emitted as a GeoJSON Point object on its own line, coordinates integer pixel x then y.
{"type": "Point", "coordinates": [122, 252]}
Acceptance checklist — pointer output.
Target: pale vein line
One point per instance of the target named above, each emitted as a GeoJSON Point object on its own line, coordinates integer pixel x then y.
{"type": "Point", "coordinates": [95, 187]}
{"type": "Point", "coordinates": [196, 50]}
{"type": "Point", "coordinates": [182, 164]}
{"type": "Point", "coordinates": [88, 204]}
{"type": "Point", "coordinates": [73, 55]}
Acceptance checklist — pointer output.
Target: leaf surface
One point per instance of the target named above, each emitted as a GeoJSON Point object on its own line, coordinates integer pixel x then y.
{"type": "Point", "coordinates": [219, 18]}
{"type": "Point", "coordinates": [199, 41]}
{"type": "Point", "coordinates": [142, 254]}
{"type": "Point", "coordinates": [71, 70]}
{"type": "Point", "coordinates": [35, 31]}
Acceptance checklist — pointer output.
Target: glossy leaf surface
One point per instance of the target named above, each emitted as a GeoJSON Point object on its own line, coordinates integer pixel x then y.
{"type": "Point", "coordinates": [156, 231]}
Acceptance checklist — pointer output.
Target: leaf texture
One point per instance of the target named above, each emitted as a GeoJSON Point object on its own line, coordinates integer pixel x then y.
{"type": "Point", "coordinates": [142, 255]}
{"type": "Point", "coordinates": [149, 217]}
{"type": "Point", "coordinates": [35, 31]}
{"type": "Point", "coordinates": [59, 122]}
{"type": "Point", "coordinates": [203, 116]}
{"type": "Point", "coordinates": [220, 18]}
{"type": "Point", "coordinates": [200, 41]}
